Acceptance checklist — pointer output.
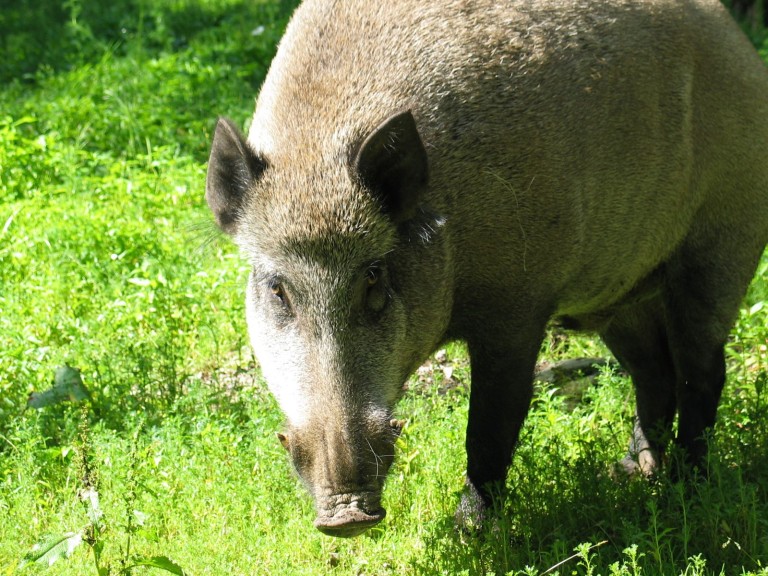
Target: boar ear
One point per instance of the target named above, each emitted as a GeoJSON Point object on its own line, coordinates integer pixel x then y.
{"type": "Point", "coordinates": [232, 167]}
{"type": "Point", "coordinates": [392, 163]}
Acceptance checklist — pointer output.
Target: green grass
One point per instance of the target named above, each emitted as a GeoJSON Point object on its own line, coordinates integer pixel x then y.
{"type": "Point", "coordinates": [109, 263]}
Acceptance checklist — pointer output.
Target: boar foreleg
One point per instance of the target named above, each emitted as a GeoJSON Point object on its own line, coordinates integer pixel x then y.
{"type": "Point", "coordinates": [502, 388]}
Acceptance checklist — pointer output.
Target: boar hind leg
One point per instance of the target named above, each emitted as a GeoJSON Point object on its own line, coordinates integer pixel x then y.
{"type": "Point", "coordinates": [501, 391]}
{"type": "Point", "coordinates": [637, 336]}
{"type": "Point", "coordinates": [703, 292]}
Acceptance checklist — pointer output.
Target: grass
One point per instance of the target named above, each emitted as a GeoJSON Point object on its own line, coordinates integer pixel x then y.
{"type": "Point", "coordinates": [109, 263]}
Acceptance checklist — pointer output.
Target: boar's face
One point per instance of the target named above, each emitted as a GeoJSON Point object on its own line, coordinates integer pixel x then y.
{"type": "Point", "coordinates": [346, 297]}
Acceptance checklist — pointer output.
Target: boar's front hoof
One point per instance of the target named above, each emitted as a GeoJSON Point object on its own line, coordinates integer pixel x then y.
{"type": "Point", "coordinates": [646, 464]}
{"type": "Point", "coordinates": [348, 522]}
{"type": "Point", "coordinates": [471, 513]}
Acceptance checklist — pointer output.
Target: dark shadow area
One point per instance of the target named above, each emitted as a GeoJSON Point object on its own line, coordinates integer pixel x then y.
{"type": "Point", "coordinates": [565, 504]}
{"type": "Point", "coordinates": [53, 35]}
{"type": "Point", "coordinates": [149, 73]}
{"type": "Point", "coordinates": [751, 13]}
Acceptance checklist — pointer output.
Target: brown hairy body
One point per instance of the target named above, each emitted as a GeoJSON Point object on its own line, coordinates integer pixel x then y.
{"type": "Point", "coordinates": [423, 171]}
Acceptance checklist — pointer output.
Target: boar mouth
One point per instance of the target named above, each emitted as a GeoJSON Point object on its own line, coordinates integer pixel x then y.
{"type": "Point", "coordinates": [348, 515]}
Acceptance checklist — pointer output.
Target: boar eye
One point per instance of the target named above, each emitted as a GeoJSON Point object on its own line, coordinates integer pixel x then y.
{"type": "Point", "coordinates": [372, 275]}
{"type": "Point", "coordinates": [277, 291]}
{"type": "Point", "coordinates": [376, 295]}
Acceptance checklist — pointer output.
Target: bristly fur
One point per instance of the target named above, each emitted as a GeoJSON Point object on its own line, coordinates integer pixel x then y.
{"type": "Point", "coordinates": [418, 171]}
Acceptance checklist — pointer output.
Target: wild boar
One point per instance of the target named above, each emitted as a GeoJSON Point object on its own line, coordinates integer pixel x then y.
{"type": "Point", "coordinates": [417, 172]}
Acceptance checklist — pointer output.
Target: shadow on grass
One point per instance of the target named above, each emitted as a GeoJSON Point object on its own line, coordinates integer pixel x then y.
{"type": "Point", "coordinates": [53, 35]}
{"type": "Point", "coordinates": [550, 514]}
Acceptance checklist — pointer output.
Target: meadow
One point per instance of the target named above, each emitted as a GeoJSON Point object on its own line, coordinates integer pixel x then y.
{"type": "Point", "coordinates": [125, 371]}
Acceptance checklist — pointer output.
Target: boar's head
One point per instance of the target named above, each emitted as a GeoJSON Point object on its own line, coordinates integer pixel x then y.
{"type": "Point", "coordinates": [347, 295]}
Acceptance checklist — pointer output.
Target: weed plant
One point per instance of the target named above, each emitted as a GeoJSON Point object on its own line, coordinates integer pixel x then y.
{"type": "Point", "coordinates": [109, 263]}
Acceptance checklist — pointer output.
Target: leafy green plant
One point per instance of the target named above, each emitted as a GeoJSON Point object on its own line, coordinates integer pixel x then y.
{"type": "Point", "coordinates": [95, 533]}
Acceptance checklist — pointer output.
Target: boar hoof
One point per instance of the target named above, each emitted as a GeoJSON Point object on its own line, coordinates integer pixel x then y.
{"type": "Point", "coordinates": [470, 515]}
{"type": "Point", "coordinates": [348, 523]}
{"type": "Point", "coordinates": [644, 464]}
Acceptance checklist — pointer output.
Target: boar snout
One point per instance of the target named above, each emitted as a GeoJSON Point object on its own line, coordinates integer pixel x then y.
{"type": "Point", "coordinates": [347, 515]}
{"type": "Point", "coordinates": [344, 467]}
